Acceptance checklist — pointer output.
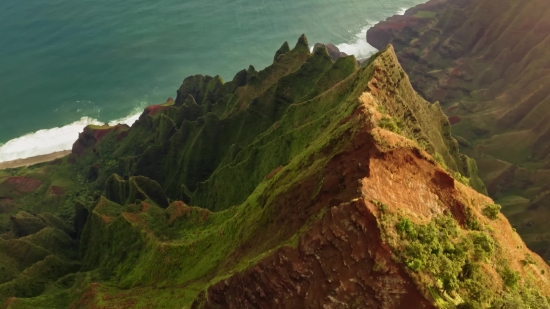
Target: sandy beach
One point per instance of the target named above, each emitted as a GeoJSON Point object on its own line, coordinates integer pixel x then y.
{"type": "Point", "coordinates": [34, 160]}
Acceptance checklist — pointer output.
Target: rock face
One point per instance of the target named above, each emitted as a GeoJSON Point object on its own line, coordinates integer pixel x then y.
{"type": "Point", "coordinates": [310, 184]}
{"type": "Point", "coordinates": [487, 62]}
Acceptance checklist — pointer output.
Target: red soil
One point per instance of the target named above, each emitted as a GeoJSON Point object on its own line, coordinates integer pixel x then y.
{"type": "Point", "coordinates": [57, 191]}
{"type": "Point", "coordinates": [145, 206]}
{"type": "Point", "coordinates": [88, 298]}
{"type": "Point", "coordinates": [90, 136]}
{"type": "Point", "coordinates": [134, 218]}
{"type": "Point", "coordinates": [454, 120]}
{"type": "Point", "coordinates": [273, 172]}
{"type": "Point", "coordinates": [24, 184]}
{"type": "Point", "coordinates": [153, 109]}
{"type": "Point", "coordinates": [9, 302]}
{"type": "Point", "coordinates": [178, 208]}
{"type": "Point", "coordinates": [100, 133]}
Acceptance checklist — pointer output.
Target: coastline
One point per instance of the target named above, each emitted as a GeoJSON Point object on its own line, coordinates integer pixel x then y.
{"type": "Point", "coordinates": [34, 160]}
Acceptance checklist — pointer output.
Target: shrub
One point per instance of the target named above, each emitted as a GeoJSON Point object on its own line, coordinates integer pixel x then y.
{"type": "Point", "coordinates": [452, 258]}
{"type": "Point", "coordinates": [464, 180]}
{"type": "Point", "coordinates": [439, 160]}
{"type": "Point", "coordinates": [491, 211]}
{"type": "Point", "coordinates": [435, 247]}
{"type": "Point", "coordinates": [524, 298]}
{"type": "Point", "coordinates": [510, 277]}
{"type": "Point", "coordinates": [528, 260]}
{"type": "Point", "coordinates": [472, 223]}
{"type": "Point", "coordinates": [389, 124]}
{"type": "Point", "coordinates": [405, 226]}
{"type": "Point", "coordinates": [484, 242]}
{"type": "Point", "coordinates": [381, 206]}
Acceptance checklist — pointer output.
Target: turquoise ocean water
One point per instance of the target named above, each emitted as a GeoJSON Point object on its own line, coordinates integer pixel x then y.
{"type": "Point", "coordinates": [66, 63]}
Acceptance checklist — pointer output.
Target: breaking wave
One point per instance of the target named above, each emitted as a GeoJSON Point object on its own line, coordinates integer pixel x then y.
{"type": "Point", "coordinates": [52, 140]}
{"type": "Point", "coordinates": [359, 46]}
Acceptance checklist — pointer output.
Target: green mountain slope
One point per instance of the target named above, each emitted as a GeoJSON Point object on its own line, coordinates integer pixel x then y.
{"type": "Point", "coordinates": [310, 183]}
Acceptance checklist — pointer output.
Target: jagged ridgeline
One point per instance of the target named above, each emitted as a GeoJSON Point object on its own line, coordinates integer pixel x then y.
{"type": "Point", "coordinates": [218, 141]}
{"type": "Point", "coordinates": [305, 184]}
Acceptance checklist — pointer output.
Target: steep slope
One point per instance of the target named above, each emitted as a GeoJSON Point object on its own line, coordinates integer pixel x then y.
{"type": "Point", "coordinates": [195, 144]}
{"type": "Point", "coordinates": [313, 183]}
{"type": "Point", "coordinates": [486, 62]}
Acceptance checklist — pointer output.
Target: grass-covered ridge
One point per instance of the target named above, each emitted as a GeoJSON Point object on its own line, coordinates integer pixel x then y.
{"type": "Point", "coordinates": [240, 176]}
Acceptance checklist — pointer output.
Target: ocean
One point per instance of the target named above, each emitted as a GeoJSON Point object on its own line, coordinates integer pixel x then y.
{"type": "Point", "coordinates": [65, 63]}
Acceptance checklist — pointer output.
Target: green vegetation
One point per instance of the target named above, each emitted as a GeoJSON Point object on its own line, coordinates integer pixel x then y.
{"type": "Point", "coordinates": [390, 124]}
{"type": "Point", "coordinates": [439, 160]}
{"type": "Point", "coordinates": [464, 180]}
{"type": "Point", "coordinates": [492, 211]}
{"type": "Point", "coordinates": [453, 260]}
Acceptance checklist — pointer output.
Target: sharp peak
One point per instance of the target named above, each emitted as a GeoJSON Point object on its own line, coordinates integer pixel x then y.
{"type": "Point", "coordinates": [302, 42]}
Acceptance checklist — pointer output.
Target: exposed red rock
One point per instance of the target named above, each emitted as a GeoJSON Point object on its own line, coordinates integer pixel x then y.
{"type": "Point", "coordinates": [324, 272]}
{"type": "Point", "coordinates": [153, 109]}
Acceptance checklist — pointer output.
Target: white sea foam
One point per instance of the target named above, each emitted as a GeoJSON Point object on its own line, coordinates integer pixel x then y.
{"type": "Point", "coordinates": [402, 11]}
{"type": "Point", "coordinates": [359, 47]}
{"type": "Point", "coordinates": [62, 138]}
{"type": "Point", "coordinates": [55, 139]}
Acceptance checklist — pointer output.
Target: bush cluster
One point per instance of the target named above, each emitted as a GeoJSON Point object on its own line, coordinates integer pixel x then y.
{"type": "Point", "coordinates": [464, 180]}
{"type": "Point", "coordinates": [389, 124]}
{"type": "Point", "coordinates": [454, 258]}
{"type": "Point", "coordinates": [491, 211]}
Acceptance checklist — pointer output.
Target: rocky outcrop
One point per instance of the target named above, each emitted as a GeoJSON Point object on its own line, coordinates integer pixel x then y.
{"type": "Point", "coordinates": [93, 134]}
{"type": "Point", "coordinates": [333, 51]}
{"type": "Point", "coordinates": [486, 63]}
{"type": "Point", "coordinates": [24, 224]}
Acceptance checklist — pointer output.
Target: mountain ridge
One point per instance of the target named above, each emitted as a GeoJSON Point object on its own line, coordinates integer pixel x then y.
{"type": "Point", "coordinates": [492, 87]}
{"type": "Point", "coordinates": [313, 182]}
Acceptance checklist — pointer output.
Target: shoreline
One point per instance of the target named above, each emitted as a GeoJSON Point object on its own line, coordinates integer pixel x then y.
{"type": "Point", "coordinates": [34, 160]}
